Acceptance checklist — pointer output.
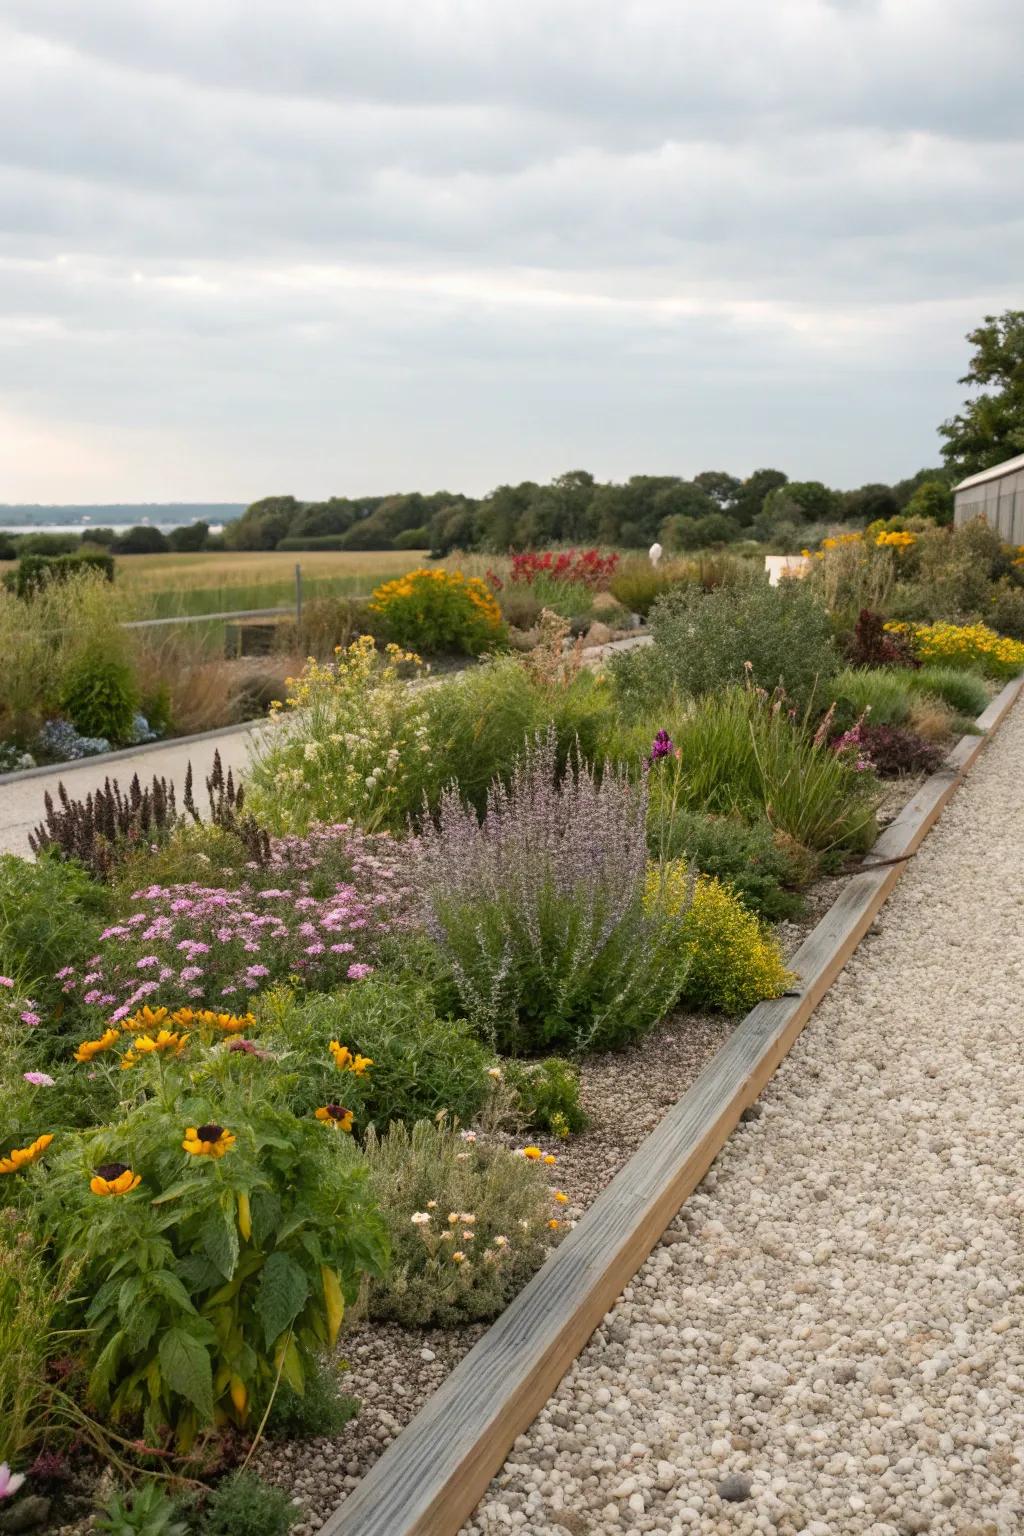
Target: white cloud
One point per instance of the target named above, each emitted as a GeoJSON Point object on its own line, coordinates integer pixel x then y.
{"type": "Point", "coordinates": [353, 247]}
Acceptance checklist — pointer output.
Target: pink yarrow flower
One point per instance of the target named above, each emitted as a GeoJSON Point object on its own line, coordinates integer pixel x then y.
{"type": "Point", "coordinates": [38, 1079]}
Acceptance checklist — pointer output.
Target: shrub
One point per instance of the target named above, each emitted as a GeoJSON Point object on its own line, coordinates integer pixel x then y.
{"type": "Point", "coordinates": [871, 645]}
{"type": "Point", "coordinates": [469, 1222]}
{"type": "Point", "coordinates": [754, 860]}
{"type": "Point", "coordinates": [479, 723]}
{"type": "Point", "coordinates": [971, 646]}
{"type": "Point", "coordinates": [587, 567]}
{"type": "Point", "coordinates": [538, 911]}
{"type": "Point", "coordinates": [349, 745]}
{"type": "Point", "coordinates": [30, 1299]}
{"type": "Point", "coordinates": [884, 695]}
{"type": "Point", "coordinates": [50, 916]}
{"type": "Point", "coordinates": [149, 1511]}
{"type": "Point", "coordinates": [638, 587]}
{"type": "Point", "coordinates": [963, 691]}
{"type": "Point", "coordinates": [34, 572]}
{"type": "Point", "coordinates": [244, 1505]}
{"type": "Point", "coordinates": [205, 1277]}
{"type": "Point", "coordinates": [320, 1409]}
{"type": "Point", "coordinates": [100, 698]}
{"type": "Point", "coordinates": [547, 1094]}
{"type": "Point", "coordinates": [742, 752]}
{"type": "Point", "coordinates": [438, 610]}
{"type": "Point", "coordinates": [733, 964]}
{"type": "Point", "coordinates": [890, 750]}
{"type": "Point", "coordinates": [1006, 610]}
{"type": "Point", "coordinates": [422, 1066]}
{"type": "Point", "coordinates": [706, 641]}
{"type": "Point", "coordinates": [187, 942]}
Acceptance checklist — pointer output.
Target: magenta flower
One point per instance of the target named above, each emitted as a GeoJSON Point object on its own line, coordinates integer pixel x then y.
{"type": "Point", "coordinates": [661, 746]}
{"type": "Point", "coordinates": [30, 1018]}
{"type": "Point", "coordinates": [358, 971]}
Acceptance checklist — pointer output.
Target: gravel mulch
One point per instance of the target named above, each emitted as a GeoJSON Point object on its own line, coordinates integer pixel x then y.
{"type": "Point", "coordinates": [830, 1339]}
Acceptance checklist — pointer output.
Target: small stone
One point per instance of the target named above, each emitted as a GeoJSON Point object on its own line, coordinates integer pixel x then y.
{"type": "Point", "coordinates": [27, 1514]}
{"type": "Point", "coordinates": [427, 1355]}
{"type": "Point", "coordinates": [734, 1488]}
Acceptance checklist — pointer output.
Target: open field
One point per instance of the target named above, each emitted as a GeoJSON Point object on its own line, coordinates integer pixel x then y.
{"type": "Point", "coordinates": [162, 586]}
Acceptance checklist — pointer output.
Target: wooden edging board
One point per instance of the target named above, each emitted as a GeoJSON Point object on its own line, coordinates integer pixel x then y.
{"type": "Point", "coordinates": [431, 1477]}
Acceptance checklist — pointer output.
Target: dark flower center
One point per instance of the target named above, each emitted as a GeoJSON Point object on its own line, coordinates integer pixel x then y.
{"type": "Point", "coordinates": [112, 1171]}
{"type": "Point", "coordinates": [210, 1132]}
{"type": "Point", "coordinates": [336, 1111]}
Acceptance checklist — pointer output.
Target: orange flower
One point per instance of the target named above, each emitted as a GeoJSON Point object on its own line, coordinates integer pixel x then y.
{"type": "Point", "coordinates": [207, 1141]}
{"type": "Point", "coordinates": [335, 1115]}
{"type": "Point", "coordinates": [114, 1179]}
{"type": "Point", "coordinates": [20, 1157]}
{"type": "Point", "coordinates": [90, 1048]}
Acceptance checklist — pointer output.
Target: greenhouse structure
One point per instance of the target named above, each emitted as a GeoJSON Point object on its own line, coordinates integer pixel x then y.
{"type": "Point", "coordinates": [997, 494]}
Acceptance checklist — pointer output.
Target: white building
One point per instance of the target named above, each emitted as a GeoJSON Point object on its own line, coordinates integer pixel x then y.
{"type": "Point", "coordinates": [997, 494]}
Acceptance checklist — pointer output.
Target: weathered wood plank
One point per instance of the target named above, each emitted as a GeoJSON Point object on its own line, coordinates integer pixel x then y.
{"type": "Point", "coordinates": [431, 1478]}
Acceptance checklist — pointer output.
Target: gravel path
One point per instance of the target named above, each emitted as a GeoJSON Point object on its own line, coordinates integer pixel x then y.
{"type": "Point", "coordinates": [830, 1340]}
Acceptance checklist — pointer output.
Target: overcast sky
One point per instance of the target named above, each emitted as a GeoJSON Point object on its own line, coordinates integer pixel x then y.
{"type": "Point", "coordinates": [254, 246]}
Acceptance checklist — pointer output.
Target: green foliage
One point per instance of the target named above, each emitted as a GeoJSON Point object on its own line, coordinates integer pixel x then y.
{"type": "Point", "coordinates": [214, 1274]}
{"type": "Point", "coordinates": [638, 586]}
{"type": "Point", "coordinates": [422, 1065]}
{"type": "Point", "coordinates": [100, 697]}
{"type": "Point", "coordinates": [321, 1409]}
{"type": "Point", "coordinates": [733, 962]}
{"type": "Point", "coordinates": [447, 1272]}
{"type": "Point", "coordinates": [30, 1297]}
{"type": "Point", "coordinates": [50, 916]}
{"type": "Point", "coordinates": [990, 427]}
{"type": "Point", "coordinates": [932, 499]}
{"type": "Point", "coordinates": [741, 753]}
{"type": "Point", "coordinates": [36, 571]}
{"type": "Point", "coordinates": [547, 1095]}
{"type": "Point", "coordinates": [885, 695]}
{"type": "Point", "coordinates": [705, 641]}
{"type": "Point", "coordinates": [1006, 609]}
{"type": "Point", "coordinates": [146, 1512]}
{"type": "Point", "coordinates": [963, 691]}
{"type": "Point", "coordinates": [760, 864]}
{"type": "Point", "coordinates": [244, 1505]}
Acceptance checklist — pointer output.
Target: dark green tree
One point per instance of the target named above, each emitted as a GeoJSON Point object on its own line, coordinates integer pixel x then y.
{"type": "Point", "coordinates": [990, 427]}
{"type": "Point", "coordinates": [749, 499]}
{"type": "Point", "coordinates": [723, 488]}
{"type": "Point", "coordinates": [190, 537]}
{"type": "Point", "coordinates": [142, 540]}
{"type": "Point", "coordinates": [934, 499]}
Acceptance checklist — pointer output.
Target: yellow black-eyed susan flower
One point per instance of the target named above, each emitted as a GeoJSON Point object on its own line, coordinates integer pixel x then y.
{"type": "Point", "coordinates": [114, 1179]}
{"type": "Point", "coordinates": [342, 1056]}
{"type": "Point", "coordinates": [207, 1140]}
{"type": "Point", "coordinates": [145, 1019]}
{"type": "Point", "coordinates": [20, 1157]}
{"type": "Point", "coordinates": [164, 1043]}
{"type": "Point", "coordinates": [90, 1048]}
{"type": "Point", "coordinates": [335, 1115]}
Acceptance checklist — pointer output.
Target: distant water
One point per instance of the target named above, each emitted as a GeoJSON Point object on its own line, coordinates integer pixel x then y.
{"type": "Point", "coordinates": [84, 527]}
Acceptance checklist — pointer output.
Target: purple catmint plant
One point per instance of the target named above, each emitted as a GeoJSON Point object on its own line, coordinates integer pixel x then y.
{"type": "Point", "coordinates": [538, 908]}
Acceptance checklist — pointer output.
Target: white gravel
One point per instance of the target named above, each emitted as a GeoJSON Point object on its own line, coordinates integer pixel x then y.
{"type": "Point", "coordinates": [830, 1341]}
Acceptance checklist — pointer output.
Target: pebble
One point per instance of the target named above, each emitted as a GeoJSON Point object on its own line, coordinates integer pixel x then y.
{"type": "Point", "coordinates": [833, 1330]}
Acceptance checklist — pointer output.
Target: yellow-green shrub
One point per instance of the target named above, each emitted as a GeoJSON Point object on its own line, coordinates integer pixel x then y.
{"type": "Point", "coordinates": [734, 963]}
{"type": "Point", "coordinates": [964, 645]}
{"type": "Point", "coordinates": [436, 610]}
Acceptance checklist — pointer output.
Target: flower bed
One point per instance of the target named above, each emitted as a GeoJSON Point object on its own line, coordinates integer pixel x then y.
{"type": "Point", "coordinates": [265, 1069]}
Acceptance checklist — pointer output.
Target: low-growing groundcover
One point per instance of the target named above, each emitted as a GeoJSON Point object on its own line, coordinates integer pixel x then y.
{"type": "Point", "coordinates": [264, 1073]}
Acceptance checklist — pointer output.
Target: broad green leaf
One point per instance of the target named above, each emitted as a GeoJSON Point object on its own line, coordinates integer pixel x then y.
{"type": "Point", "coordinates": [266, 1215]}
{"type": "Point", "coordinates": [105, 1369]}
{"type": "Point", "coordinates": [167, 1285]}
{"type": "Point", "coordinates": [186, 1367]}
{"type": "Point", "coordinates": [219, 1237]}
{"type": "Point", "coordinates": [282, 1294]}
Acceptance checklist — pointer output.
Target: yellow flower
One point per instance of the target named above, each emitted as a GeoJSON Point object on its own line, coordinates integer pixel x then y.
{"type": "Point", "coordinates": [550, 1159]}
{"type": "Point", "coordinates": [166, 1043]}
{"type": "Point", "coordinates": [90, 1048]}
{"type": "Point", "coordinates": [114, 1179]}
{"type": "Point", "coordinates": [20, 1157]}
{"type": "Point", "coordinates": [561, 1199]}
{"type": "Point", "coordinates": [335, 1115]}
{"type": "Point", "coordinates": [458, 1257]}
{"type": "Point", "coordinates": [360, 1064]}
{"type": "Point", "coordinates": [533, 1153]}
{"type": "Point", "coordinates": [554, 1223]}
{"type": "Point", "coordinates": [342, 1055]}
{"type": "Point", "coordinates": [145, 1018]}
{"type": "Point", "coordinates": [207, 1141]}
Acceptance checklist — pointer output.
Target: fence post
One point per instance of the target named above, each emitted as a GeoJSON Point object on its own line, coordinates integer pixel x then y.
{"type": "Point", "coordinates": [298, 607]}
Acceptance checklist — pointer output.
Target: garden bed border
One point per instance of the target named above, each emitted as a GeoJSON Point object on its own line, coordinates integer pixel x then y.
{"type": "Point", "coordinates": [433, 1475]}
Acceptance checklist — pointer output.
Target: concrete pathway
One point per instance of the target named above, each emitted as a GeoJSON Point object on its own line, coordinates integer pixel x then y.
{"type": "Point", "coordinates": [829, 1341]}
{"type": "Point", "coordinates": [21, 799]}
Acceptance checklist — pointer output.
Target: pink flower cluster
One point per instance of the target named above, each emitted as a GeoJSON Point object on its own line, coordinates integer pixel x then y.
{"type": "Point", "coordinates": [190, 943]}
